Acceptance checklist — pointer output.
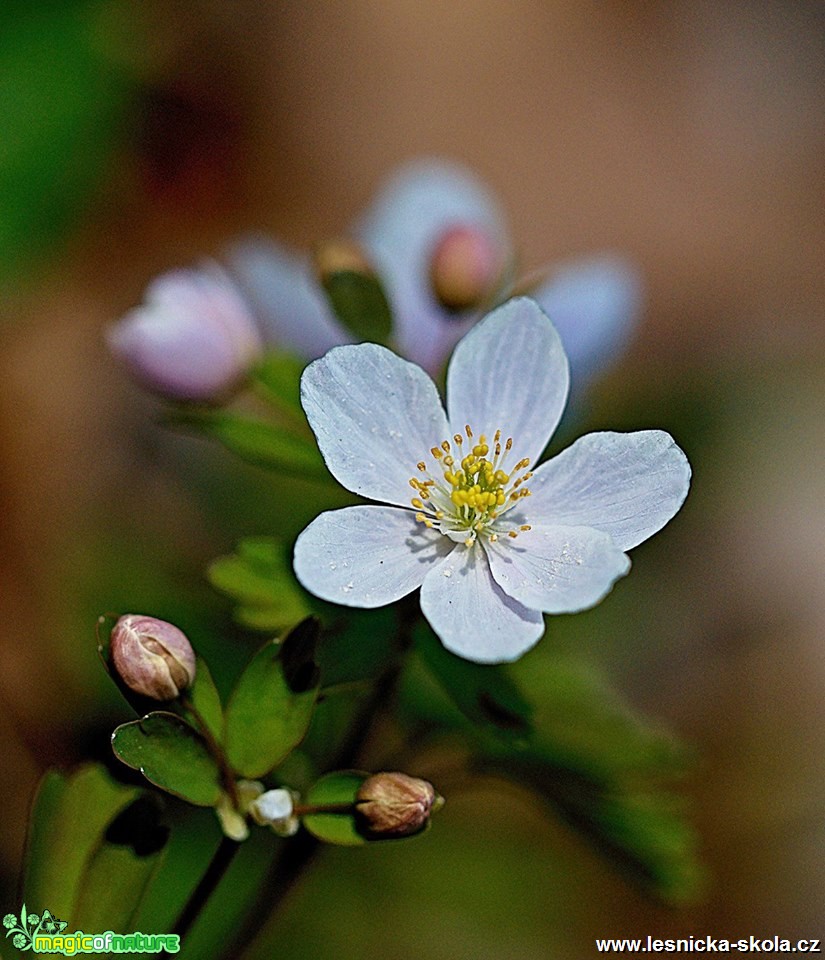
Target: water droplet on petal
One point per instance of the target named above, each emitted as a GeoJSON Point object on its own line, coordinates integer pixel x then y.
{"type": "Point", "coordinates": [448, 572]}
{"type": "Point", "coordinates": [348, 587]}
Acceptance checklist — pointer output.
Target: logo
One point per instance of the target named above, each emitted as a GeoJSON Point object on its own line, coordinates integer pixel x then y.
{"type": "Point", "coordinates": [44, 933]}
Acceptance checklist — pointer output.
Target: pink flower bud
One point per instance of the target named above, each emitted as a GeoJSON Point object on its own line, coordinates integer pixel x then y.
{"type": "Point", "coordinates": [152, 657]}
{"type": "Point", "coordinates": [394, 804]}
{"type": "Point", "coordinates": [465, 265]}
{"type": "Point", "coordinates": [192, 339]}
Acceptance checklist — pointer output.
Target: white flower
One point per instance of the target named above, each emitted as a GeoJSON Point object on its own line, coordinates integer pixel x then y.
{"type": "Point", "coordinates": [433, 217]}
{"type": "Point", "coordinates": [492, 543]}
{"type": "Point", "coordinates": [193, 337]}
{"type": "Point", "coordinates": [275, 809]}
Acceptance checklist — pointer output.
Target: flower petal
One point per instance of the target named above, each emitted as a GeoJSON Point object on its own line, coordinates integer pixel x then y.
{"type": "Point", "coordinates": [366, 556]}
{"type": "Point", "coordinates": [510, 373]}
{"type": "Point", "coordinates": [375, 417]}
{"type": "Point", "coordinates": [627, 484]}
{"type": "Point", "coordinates": [557, 569]}
{"type": "Point", "coordinates": [472, 615]}
{"type": "Point", "coordinates": [288, 299]}
{"type": "Point", "coordinates": [594, 304]}
{"type": "Point", "coordinates": [400, 231]}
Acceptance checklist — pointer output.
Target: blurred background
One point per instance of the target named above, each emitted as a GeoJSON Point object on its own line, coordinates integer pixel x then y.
{"type": "Point", "coordinates": [688, 136]}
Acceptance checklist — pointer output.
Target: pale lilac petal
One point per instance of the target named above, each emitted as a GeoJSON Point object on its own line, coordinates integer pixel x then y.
{"type": "Point", "coordinates": [375, 417]}
{"type": "Point", "coordinates": [594, 304]}
{"type": "Point", "coordinates": [366, 556]}
{"type": "Point", "coordinates": [472, 615]}
{"type": "Point", "coordinates": [627, 484]}
{"type": "Point", "coordinates": [400, 231]}
{"type": "Point", "coordinates": [510, 373]}
{"type": "Point", "coordinates": [192, 338]}
{"type": "Point", "coordinates": [290, 303]}
{"type": "Point", "coordinates": [557, 569]}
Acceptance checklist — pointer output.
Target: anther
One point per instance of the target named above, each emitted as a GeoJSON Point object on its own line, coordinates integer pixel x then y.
{"type": "Point", "coordinates": [458, 439]}
{"type": "Point", "coordinates": [422, 466]}
{"type": "Point", "coordinates": [468, 431]}
{"type": "Point", "coordinates": [509, 445]}
{"type": "Point", "coordinates": [513, 534]}
{"type": "Point", "coordinates": [445, 446]}
{"type": "Point", "coordinates": [436, 453]}
{"type": "Point", "coordinates": [417, 503]}
{"type": "Point", "coordinates": [525, 526]}
{"type": "Point", "coordinates": [522, 464]}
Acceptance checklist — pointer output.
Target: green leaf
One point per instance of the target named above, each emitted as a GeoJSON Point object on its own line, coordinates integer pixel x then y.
{"type": "Point", "coordinates": [120, 867]}
{"type": "Point", "coordinates": [638, 824]}
{"type": "Point", "coordinates": [485, 694]}
{"type": "Point", "coordinates": [333, 789]}
{"type": "Point", "coordinates": [256, 441]}
{"type": "Point", "coordinates": [359, 302]}
{"type": "Point", "coordinates": [259, 576]}
{"type": "Point", "coordinates": [78, 826]}
{"type": "Point", "coordinates": [171, 755]}
{"type": "Point", "coordinates": [279, 376]}
{"type": "Point", "coordinates": [271, 706]}
{"type": "Point", "coordinates": [607, 773]}
{"type": "Point", "coordinates": [204, 697]}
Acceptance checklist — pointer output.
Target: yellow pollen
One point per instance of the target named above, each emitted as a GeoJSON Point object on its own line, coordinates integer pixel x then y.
{"type": "Point", "coordinates": [417, 503]}
{"type": "Point", "coordinates": [521, 464]}
{"type": "Point", "coordinates": [512, 534]}
{"type": "Point", "coordinates": [525, 526]}
{"type": "Point", "coordinates": [420, 517]}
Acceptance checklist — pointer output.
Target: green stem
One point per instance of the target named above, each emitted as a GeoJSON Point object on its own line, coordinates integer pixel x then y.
{"type": "Point", "coordinates": [215, 872]}
{"type": "Point", "coordinates": [227, 773]}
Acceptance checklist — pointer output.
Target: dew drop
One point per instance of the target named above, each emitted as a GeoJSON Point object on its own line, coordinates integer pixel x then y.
{"type": "Point", "coordinates": [333, 566]}
{"type": "Point", "coordinates": [448, 572]}
{"type": "Point", "coordinates": [348, 587]}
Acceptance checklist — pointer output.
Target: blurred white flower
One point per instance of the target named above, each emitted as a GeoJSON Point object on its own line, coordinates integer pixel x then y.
{"type": "Point", "coordinates": [492, 543]}
{"type": "Point", "coordinates": [193, 338]}
{"type": "Point", "coordinates": [438, 240]}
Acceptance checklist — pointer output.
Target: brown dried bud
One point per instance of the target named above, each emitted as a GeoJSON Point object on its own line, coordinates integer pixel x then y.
{"type": "Point", "coordinates": [340, 256]}
{"type": "Point", "coordinates": [394, 805]}
{"type": "Point", "coordinates": [465, 265]}
{"type": "Point", "coordinates": [152, 657]}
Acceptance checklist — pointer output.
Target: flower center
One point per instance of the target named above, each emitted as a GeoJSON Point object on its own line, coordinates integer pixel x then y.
{"type": "Point", "coordinates": [474, 491]}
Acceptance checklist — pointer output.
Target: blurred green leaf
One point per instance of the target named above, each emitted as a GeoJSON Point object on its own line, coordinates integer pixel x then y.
{"type": "Point", "coordinates": [171, 755]}
{"type": "Point", "coordinates": [88, 833]}
{"type": "Point", "coordinates": [259, 576]}
{"type": "Point", "coordinates": [485, 694]}
{"type": "Point", "coordinates": [256, 441]}
{"type": "Point", "coordinates": [271, 706]}
{"type": "Point", "coordinates": [636, 823]}
{"type": "Point", "coordinates": [204, 697]}
{"type": "Point", "coordinates": [333, 789]}
{"type": "Point", "coordinates": [606, 772]}
{"type": "Point", "coordinates": [279, 375]}
{"type": "Point", "coordinates": [120, 868]}
{"type": "Point", "coordinates": [359, 302]}
{"type": "Point", "coordinates": [61, 100]}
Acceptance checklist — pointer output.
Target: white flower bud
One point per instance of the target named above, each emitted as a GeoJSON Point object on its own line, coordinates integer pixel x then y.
{"type": "Point", "coordinates": [275, 809]}
{"type": "Point", "coordinates": [152, 657]}
{"type": "Point", "coordinates": [192, 339]}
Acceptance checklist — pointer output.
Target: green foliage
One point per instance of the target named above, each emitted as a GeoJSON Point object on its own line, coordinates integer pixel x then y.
{"type": "Point", "coordinates": [93, 848]}
{"type": "Point", "coordinates": [606, 772]}
{"type": "Point", "coordinates": [485, 694]}
{"type": "Point", "coordinates": [271, 706]}
{"type": "Point", "coordinates": [171, 755]}
{"type": "Point", "coordinates": [335, 789]}
{"type": "Point", "coordinates": [61, 99]}
{"type": "Point", "coordinates": [279, 377]}
{"type": "Point", "coordinates": [359, 302]}
{"type": "Point", "coordinates": [259, 442]}
{"type": "Point", "coordinates": [259, 577]}
{"type": "Point", "coordinates": [205, 699]}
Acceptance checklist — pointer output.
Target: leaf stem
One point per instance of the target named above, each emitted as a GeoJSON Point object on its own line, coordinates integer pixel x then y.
{"type": "Point", "coordinates": [215, 872]}
{"type": "Point", "coordinates": [227, 773]}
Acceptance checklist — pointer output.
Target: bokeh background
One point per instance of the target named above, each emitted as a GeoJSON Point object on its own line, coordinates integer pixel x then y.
{"type": "Point", "coordinates": [688, 136]}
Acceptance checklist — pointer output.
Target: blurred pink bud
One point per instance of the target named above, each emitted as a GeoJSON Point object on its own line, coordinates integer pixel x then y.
{"type": "Point", "coordinates": [192, 339]}
{"type": "Point", "coordinates": [394, 804]}
{"type": "Point", "coordinates": [465, 265]}
{"type": "Point", "coordinates": [152, 657]}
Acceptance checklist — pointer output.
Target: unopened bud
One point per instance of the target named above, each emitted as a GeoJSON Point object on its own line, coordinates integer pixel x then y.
{"type": "Point", "coordinates": [192, 339]}
{"type": "Point", "coordinates": [340, 256]}
{"type": "Point", "coordinates": [394, 804]}
{"type": "Point", "coordinates": [152, 657]}
{"type": "Point", "coordinates": [275, 809]}
{"type": "Point", "coordinates": [465, 265]}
